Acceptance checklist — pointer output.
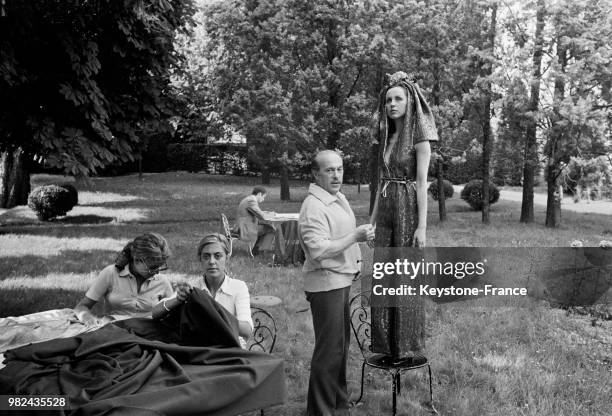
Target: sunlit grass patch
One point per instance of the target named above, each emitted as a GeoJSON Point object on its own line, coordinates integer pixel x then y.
{"type": "Point", "coordinates": [501, 361]}
{"type": "Point", "coordinates": [68, 281]}
{"type": "Point", "coordinates": [93, 198]}
{"type": "Point", "coordinates": [14, 245]}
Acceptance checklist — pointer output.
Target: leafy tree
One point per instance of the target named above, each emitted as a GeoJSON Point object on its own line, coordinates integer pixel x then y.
{"type": "Point", "coordinates": [295, 77]}
{"type": "Point", "coordinates": [576, 121]}
{"type": "Point", "coordinates": [82, 81]}
{"type": "Point", "coordinates": [197, 117]}
{"type": "Point", "coordinates": [590, 178]}
{"type": "Point", "coordinates": [509, 152]}
{"type": "Point", "coordinates": [530, 157]}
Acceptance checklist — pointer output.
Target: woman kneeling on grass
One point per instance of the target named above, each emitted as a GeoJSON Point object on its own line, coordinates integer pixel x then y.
{"type": "Point", "coordinates": [131, 288]}
{"type": "Point", "coordinates": [232, 294]}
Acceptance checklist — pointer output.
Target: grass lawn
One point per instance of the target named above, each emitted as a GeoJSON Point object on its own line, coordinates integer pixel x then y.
{"type": "Point", "coordinates": [525, 359]}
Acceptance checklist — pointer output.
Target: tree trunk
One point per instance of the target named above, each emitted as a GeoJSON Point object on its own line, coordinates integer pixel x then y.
{"type": "Point", "coordinates": [334, 84]}
{"type": "Point", "coordinates": [553, 200]}
{"type": "Point", "coordinates": [265, 176]}
{"type": "Point", "coordinates": [14, 178]}
{"type": "Point", "coordinates": [374, 148]}
{"type": "Point", "coordinates": [435, 93]}
{"type": "Point", "coordinates": [486, 125]}
{"type": "Point", "coordinates": [531, 162]}
{"type": "Point", "coordinates": [373, 175]}
{"type": "Point", "coordinates": [486, 158]}
{"type": "Point", "coordinates": [140, 166]}
{"type": "Point", "coordinates": [284, 184]}
{"type": "Point", "coordinates": [555, 139]}
{"type": "Point", "coordinates": [441, 196]}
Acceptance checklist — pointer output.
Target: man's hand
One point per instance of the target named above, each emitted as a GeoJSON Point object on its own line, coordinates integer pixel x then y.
{"type": "Point", "coordinates": [365, 232]}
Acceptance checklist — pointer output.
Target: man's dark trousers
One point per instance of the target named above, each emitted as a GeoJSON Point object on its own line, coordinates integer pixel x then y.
{"type": "Point", "coordinates": [327, 389]}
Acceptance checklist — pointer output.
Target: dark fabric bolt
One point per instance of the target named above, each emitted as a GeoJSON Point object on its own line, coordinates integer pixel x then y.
{"type": "Point", "coordinates": [116, 369]}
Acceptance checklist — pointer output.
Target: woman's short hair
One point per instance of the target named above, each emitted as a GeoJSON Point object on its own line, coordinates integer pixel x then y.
{"type": "Point", "coordinates": [211, 239]}
{"type": "Point", "coordinates": [145, 246]}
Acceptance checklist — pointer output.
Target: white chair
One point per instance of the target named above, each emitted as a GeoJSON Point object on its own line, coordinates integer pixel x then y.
{"type": "Point", "coordinates": [232, 236]}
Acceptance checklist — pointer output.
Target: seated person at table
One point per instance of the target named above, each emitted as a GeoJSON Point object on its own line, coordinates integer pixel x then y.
{"type": "Point", "coordinates": [232, 294]}
{"type": "Point", "coordinates": [259, 236]}
{"type": "Point", "coordinates": [130, 288]}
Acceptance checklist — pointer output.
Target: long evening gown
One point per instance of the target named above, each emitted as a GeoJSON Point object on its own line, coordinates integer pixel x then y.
{"type": "Point", "coordinates": [399, 331]}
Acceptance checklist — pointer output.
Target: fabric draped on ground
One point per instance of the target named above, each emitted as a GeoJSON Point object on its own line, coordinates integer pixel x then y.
{"type": "Point", "coordinates": [127, 365]}
{"type": "Point", "coordinates": [16, 331]}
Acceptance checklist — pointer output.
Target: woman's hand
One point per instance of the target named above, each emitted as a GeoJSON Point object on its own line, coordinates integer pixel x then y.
{"type": "Point", "coordinates": [87, 317]}
{"type": "Point", "coordinates": [419, 238]}
{"type": "Point", "coordinates": [183, 290]}
{"type": "Point", "coordinates": [83, 311]}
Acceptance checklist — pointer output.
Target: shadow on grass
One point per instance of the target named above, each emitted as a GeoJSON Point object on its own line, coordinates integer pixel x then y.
{"type": "Point", "coordinates": [23, 301]}
{"type": "Point", "coordinates": [84, 219]}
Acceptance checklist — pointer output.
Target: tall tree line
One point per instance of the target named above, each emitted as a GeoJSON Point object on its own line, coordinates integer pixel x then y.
{"type": "Point", "coordinates": [520, 86]}
{"type": "Point", "coordinates": [527, 81]}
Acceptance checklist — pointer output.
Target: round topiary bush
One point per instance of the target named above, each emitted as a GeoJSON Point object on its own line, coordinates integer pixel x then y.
{"type": "Point", "coordinates": [472, 194]}
{"type": "Point", "coordinates": [448, 189]}
{"type": "Point", "coordinates": [50, 201]}
{"type": "Point", "coordinates": [74, 194]}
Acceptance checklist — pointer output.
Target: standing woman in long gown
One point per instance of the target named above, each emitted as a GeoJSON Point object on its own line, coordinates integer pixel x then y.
{"type": "Point", "coordinates": [406, 128]}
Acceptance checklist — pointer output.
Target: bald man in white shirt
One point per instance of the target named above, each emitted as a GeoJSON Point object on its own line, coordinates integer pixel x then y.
{"type": "Point", "coordinates": [329, 235]}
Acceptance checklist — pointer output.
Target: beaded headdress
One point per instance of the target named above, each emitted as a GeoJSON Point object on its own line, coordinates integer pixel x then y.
{"type": "Point", "coordinates": [396, 78]}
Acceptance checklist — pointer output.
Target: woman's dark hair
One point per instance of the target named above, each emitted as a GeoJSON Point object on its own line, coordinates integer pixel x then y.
{"type": "Point", "coordinates": [149, 245]}
{"type": "Point", "coordinates": [213, 238]}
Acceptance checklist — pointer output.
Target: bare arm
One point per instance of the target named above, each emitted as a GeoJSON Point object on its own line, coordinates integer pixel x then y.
{"type": "Point", "coordinates": [163, 308]}
{"type": "Point", "coordinates": [83, 310]}
{"type": "Point", "coordinates": [242, 303]}
{"type": "Point", "coordinates": [244, 329]}
{"type": "Point", "coordinates": [423, 154]}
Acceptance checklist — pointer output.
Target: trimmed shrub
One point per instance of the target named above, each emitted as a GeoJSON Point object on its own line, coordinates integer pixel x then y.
{"type": "Point", "coordinates": [50, 201]}
{"type": "Point", "coordinates": [472, 194]}
{"type": "Point", "coordinates": [448, 189]}
{"type": "Point", "coordinates": [74, 194]}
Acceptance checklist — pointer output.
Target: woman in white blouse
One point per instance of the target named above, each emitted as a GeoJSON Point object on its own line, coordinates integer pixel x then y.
{"type": "Point", "coordinates": [232, 294]}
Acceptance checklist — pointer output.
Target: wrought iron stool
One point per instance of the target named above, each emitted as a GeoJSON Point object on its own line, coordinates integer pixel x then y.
{"type": "Point", "coordinates": [361, 325]}
{"type": "Point", "coordinates": [264, 325]}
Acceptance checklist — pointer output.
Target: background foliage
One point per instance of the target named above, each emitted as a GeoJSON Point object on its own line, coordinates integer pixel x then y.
{"type": "Point", "coordinates": [82, 83]}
